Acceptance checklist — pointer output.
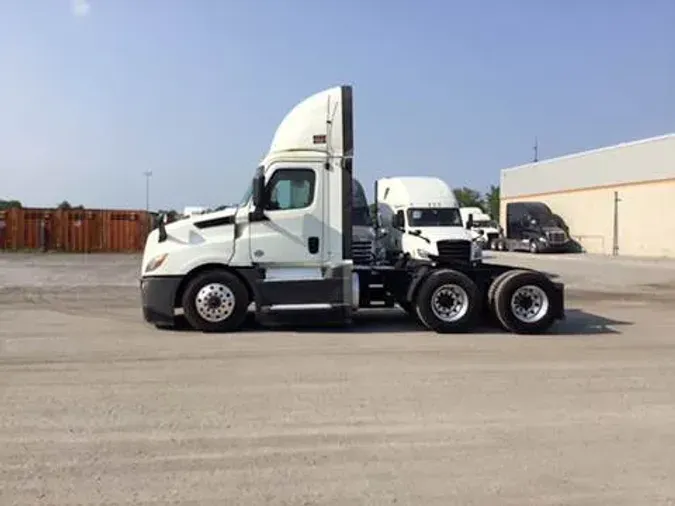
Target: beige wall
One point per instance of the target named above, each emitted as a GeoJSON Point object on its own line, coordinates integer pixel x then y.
{"type": "Point", "coordinates": [646, 223]}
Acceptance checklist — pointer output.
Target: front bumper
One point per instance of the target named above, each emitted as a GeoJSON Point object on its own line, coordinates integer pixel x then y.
{"type": "Point", "coordinates": [158, 298]}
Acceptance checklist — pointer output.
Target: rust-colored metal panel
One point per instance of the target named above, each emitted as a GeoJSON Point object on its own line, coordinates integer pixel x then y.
{"type": "Point", "coordinates": [74, 230]}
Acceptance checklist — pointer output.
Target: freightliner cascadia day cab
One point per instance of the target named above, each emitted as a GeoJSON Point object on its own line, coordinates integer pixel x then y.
{"type": "Point", "coordinates": [288, 249]}
{"type": "Point", "coordinates": [422, 218]}
{"type": "Point", "coordinates": [533, 227]}
{"type": "Point", "coordinates": [485, 230]}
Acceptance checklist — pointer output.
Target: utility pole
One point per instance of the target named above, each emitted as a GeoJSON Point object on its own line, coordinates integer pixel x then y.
{"type": "Point", "coordinates": [148, 175]}
{"type": "Point", "coordinates": [536, 149]}
{"type": "Point", "coordinates": [615, 233]}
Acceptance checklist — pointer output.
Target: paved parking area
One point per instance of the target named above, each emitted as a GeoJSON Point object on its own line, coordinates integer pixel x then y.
{"type": "Point", "coordinates": [99, 408]}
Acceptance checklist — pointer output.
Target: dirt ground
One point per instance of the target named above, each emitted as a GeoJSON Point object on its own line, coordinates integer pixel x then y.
{"type": "Point", "coordinates": [100, 408]}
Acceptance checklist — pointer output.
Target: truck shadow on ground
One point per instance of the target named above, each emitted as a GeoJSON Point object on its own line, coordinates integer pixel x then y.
{"type": "Point", "coordinates": [576, 323]}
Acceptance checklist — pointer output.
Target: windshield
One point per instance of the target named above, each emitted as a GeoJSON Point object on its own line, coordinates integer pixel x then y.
{"type": "Point", "coordinates": [485, 224]}
{"type": "Point", "coordinates": [360, 210]}
{"type": "Point", "coordinates": [361, 217]}
{"type": "Point", "coordinates": [434, 217]}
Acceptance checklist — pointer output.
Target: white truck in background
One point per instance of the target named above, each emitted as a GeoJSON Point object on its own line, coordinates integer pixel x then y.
{"type": "Point", "coordinates": [485, 230]}
{"type": "Point", "coordinates": [288, 249]}
{"type": "Point", "coordinates": [422, 219]}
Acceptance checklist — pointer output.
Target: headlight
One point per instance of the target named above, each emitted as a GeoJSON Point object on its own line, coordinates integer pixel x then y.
{"type": "Point", "coordinates": [542, 239]}
{"type": "Point", "coordinates": [156, 262]}
{"type": "Point", "coordinates": [422, 254]}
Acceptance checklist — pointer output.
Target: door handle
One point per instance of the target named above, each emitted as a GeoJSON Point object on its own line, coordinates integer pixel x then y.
{"type": "Point", "coordinates": [313, 245]}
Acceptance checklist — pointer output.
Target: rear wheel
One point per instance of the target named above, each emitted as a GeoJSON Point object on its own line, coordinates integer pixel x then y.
{"type": "Point", "coordinates": [495, 285]}
{"type": "Point", "coordinates": [523, 302]}
{"type": "Point", "coordinates": [215, 301]}
{"type": "Point", "coordinates": [448, 301]}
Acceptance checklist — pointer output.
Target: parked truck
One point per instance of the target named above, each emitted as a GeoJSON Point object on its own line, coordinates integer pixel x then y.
{"type": "Point", "coordinates": [484, 229]}
{"type": "Point", "coordinates": [421, 217]}
{"type": "Point", "coordinates": [533, 227]}
{"type": "Point", "coordinates": [288, 249]}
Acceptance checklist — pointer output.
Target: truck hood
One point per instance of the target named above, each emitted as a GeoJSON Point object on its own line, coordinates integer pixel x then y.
{"type": "Point", "coordinates": [435, 234]}
{"type": "Point", "coordinates": [189, 222]}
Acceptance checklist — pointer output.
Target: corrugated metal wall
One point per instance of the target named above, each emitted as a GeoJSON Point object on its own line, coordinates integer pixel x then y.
{"type": "Point", "coordinates": [74, 230]}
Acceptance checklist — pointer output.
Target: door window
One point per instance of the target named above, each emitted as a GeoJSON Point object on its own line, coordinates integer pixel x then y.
{"type": "Point", "coordinates": [291, 189]}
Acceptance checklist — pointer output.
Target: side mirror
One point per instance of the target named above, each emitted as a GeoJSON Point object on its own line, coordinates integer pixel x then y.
{"type": "Point", "coordinates": [397, 221]}
{"type": "Point", "coordinates": [469, 222]}
{"type": "Point", "coordinates": [259, 191]}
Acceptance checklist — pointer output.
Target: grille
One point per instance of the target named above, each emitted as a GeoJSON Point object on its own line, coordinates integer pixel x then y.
{"type": "Point", "coordinates": [556, 237]}
{"type": "Point", "coordinates": [454, 250]}
{"type": "Point", "coordinates": [362, 252]}
{"type": "Point", "coordinates": [492, 236]}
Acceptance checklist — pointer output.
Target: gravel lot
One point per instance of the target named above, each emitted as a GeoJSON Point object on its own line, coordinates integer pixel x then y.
{"type": "Point", "coordinates": [99, 408]}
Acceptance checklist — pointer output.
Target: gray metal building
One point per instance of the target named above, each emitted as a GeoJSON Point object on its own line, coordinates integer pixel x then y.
{"type": "Point", "coordinates": [618, 199]}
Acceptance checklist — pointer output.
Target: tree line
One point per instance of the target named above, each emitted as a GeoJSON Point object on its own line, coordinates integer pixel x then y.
{"type": "Point", "coordinates": [466, 197]}
{"type": "Point", "coordinates": [16, 204]}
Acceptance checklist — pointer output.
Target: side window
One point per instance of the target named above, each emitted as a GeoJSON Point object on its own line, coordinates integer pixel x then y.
{"type": "Point", "coordinates": [291, 189]}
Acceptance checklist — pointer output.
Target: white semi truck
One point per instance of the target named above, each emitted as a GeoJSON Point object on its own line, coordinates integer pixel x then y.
{"type": "Point", "coordinates": [484, 229]}
{"type": "Point", "coordinates": [422, 218]}
{"type": "Point", "coordinates": [288, 249]}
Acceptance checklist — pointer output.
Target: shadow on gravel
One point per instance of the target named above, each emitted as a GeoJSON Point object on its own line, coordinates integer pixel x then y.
{"type": "Point", "coordinates": [577, 323]}
{"type": "Point", "coordinates": [581, 323]}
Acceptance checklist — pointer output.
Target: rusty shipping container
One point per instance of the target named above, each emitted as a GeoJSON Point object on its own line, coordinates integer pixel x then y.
{"type": "Point", "coordinates": [74, 230]}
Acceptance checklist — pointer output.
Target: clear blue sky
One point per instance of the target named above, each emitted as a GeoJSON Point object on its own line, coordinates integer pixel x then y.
{"type": "Point", "coordinates": [194, 89]}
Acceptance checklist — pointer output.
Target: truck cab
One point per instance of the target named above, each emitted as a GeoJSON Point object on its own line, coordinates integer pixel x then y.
{"type": "Point", "coordinates": [423, 220]}
{"type": "Point", "coordinates": [288, 247]}
{"type": "Point", "coordinates": [533, 227]}
{"type": "Point", "coordinates": [484, 229]}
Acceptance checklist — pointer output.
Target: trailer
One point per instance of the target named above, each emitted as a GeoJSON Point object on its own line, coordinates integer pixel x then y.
{"type": "Point", "coordinates": [287, 248]}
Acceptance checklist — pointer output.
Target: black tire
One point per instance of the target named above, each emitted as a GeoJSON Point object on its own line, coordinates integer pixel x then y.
{"type": "Point", "coordinates": [457, 282]}
{"type": "Point", "coordinates": [534, 247]}
{"type": "Point", "coordinates": [233, 299]}
{"type": "Point", "coordinates": [496, 283]}
{"type": "Point", "coordinates": [542, 289]}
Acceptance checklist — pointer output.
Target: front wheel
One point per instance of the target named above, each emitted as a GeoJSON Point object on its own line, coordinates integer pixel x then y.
{"type": "Point", "coordinates": [448, 301]}
{"type": "Point", "coordinates": [534, 247]}
{"type": "Point", "coordinates": [523, 302]}
{"type": "Point", "coordinates": [215, 301]}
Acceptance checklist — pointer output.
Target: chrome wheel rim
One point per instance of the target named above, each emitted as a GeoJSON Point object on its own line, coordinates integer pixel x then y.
{"type": "Point", "coordinates": [215, 302]}
{"type": "Point", "coordinates": [450, 303]}
{"type": "Point", "coordinates": [529, 304]}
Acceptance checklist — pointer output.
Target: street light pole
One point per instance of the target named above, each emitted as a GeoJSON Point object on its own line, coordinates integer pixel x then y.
{"type": "Point", "coordinates": [148, 175]}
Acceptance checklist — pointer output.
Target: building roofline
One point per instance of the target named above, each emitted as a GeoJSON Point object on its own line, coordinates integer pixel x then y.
{"type": "Point", "coordinates": [592, 151]}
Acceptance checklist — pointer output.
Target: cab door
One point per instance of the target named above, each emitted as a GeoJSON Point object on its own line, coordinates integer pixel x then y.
{"type": "Point", "coordinates": [291, 233]}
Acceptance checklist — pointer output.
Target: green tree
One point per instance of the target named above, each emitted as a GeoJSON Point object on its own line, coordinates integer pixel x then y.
{"type": "Point", "coordinates": [10, 204]}
{"type": "Point", "coordinates": [468, 197]}
{"type": "Point", "coordinates": [492, 201]}
{"type": "Point", "coordinates": [65, 205]}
